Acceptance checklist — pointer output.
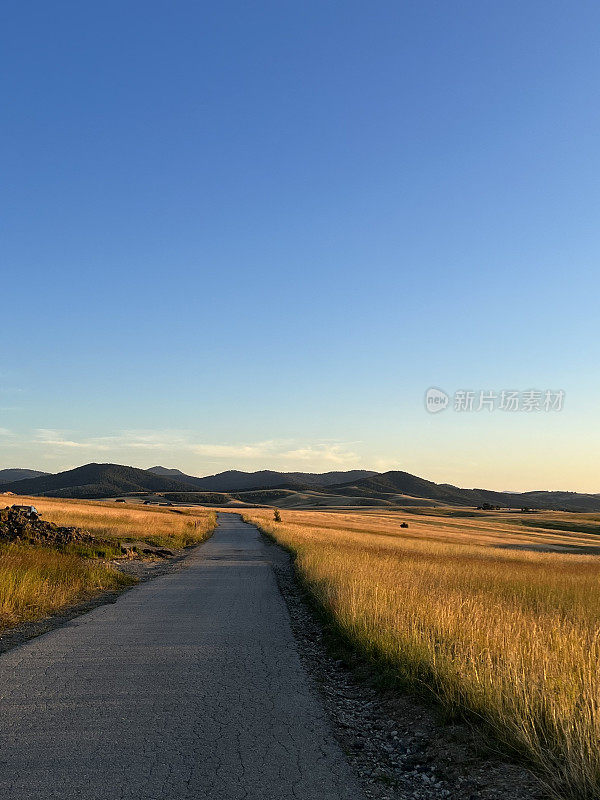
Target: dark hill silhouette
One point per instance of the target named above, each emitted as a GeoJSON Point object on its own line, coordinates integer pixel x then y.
{"type": "Point", "coordinates": [168, 473]}
{"type": "Point", "coordinates": [96, 480]}
{"type": "Point", "coordinates": [237, 481]}
{"type": "Point", "coordinates": [396, 482]}
{"type": "Point", "coordinates": [17, 474]}
{"type": "Point", "coordinates": [310, 489]}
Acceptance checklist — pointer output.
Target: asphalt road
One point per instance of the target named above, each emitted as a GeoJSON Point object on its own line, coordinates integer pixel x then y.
{"type": "Point", "coordinates": [189, 686]}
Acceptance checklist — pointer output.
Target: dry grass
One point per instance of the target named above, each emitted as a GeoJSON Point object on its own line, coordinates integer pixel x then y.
{"type": "Point", "coordinates": [36, 581]}
{"type": "Point", "coordinates": [162, 526]}
{"type": "Point", "coordinates": [509, 636]}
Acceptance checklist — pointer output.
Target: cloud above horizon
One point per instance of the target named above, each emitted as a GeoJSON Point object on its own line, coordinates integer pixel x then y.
{"type": "Point", "coordinates": [182, 449]}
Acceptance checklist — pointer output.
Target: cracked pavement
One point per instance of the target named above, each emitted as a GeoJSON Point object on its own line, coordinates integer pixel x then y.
{"type": "Point", "coordinates": [188, 686]}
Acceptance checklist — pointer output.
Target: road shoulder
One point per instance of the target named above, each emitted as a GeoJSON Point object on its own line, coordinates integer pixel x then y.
{"type": "Point", "coordinates": [398, 747]}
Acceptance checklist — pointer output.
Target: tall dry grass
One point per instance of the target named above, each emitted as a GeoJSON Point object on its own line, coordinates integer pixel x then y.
{"type": "Point", "coordinates": [162, 526]}
{"type": "Point", "coordinates": [506, 636]}
{"type": "Point", "coordinates": [36, 581]}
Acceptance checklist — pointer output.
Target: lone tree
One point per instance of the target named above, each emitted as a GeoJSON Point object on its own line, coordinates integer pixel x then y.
{"type": "Point", "coordinates": [277, 515]}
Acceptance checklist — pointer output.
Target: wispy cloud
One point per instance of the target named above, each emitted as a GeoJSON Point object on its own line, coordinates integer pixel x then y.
{"type": "Point", "coordinates": [125, 439]}
{"type": "Point", "coordinates": [327, 453]}
{"type": "Point", "coordinates": [54, 438]}
{"type": "Point", "coordinates": [276, 451]}
{"type": "Point", "coordinates": [255, 450]}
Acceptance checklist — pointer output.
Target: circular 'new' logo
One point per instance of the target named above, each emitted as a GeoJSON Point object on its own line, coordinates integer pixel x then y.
{"type": "Point", "coordinates": [436, 400]}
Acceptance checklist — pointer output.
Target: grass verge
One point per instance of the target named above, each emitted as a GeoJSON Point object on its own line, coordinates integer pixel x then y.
{"type": "Point", "coordinates": [509, 638]}
{"type": "Point", "coordinates": [37, 580]}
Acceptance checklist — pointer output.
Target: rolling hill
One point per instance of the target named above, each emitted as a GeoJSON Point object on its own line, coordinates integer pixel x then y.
{"type": "Point", "coordinates": [96, 481]}
{"type": "Point", "coordinates": [396, 482]}
{"type": "Point", "coordinates": [288, 489]}
{"type": "Point", "coordinates": [237, 481]}
{"type": "Point", "coordinates": [16, 474]}
{"type": "Point", "coordinates": [169, 473]}
{"type": "Point", "coordinates": [389, 484]}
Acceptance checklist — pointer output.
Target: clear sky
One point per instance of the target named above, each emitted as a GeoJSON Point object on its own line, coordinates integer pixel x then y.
{"type": "Point", "coordinates": [252, 235]}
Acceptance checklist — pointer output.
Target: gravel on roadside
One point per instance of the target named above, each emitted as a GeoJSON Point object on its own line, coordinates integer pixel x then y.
{"type": "Point", "coordinates": [399, 747]}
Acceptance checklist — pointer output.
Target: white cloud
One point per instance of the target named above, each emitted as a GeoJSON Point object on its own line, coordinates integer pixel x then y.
{"type": "Point", "coordinates": [255, 450]}
{"type": "Point", "coordinates": [149, 440]}
{"type": "Point", "coordinates": [327, 453]}
{"type": "Point", "coordinates": [286, 454]}
{"type": "Point", "coordinates": [125, 439]}
{"type": "Point", "coordinates": [55, 438]}
{"type": "Point", "coordinates": [279, 450]}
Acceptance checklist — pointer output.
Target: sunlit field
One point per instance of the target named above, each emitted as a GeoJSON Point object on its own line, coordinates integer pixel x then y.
{"type": "Point", "coordinates": [37, 580]}
{"type": "Point", "coordinates": [173, 527]}
{"type": "Point", "coordinates": [496, 615]}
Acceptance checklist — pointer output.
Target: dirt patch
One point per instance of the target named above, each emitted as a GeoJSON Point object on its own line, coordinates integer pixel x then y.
{"type": "Point", "coordinates": [399, 747]}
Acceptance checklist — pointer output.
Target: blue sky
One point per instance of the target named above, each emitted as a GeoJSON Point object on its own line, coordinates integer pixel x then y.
{"type": "Point", "coordinates": [252, 235]}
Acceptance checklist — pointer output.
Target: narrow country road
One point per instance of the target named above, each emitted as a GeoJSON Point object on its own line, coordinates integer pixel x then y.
{"type": "Point", "coordinates": [189, 686]}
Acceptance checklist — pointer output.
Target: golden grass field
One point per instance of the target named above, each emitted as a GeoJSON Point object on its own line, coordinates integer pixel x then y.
{"type": "Point", "coordinates": [36, 581]}
{"type": "Point", "coordinates": [174, 527]}
{"type": "Point", "coordinates": [451, 607]}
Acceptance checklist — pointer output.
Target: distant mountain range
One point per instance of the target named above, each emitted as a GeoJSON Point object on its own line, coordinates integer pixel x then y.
{"type": "Point", "coordinates": [96, 481]}
{"type": "Point", "coordinates": [234, 481]}
{"type": "Point", "coordinates": [111, 480]}
{"type": "Point", "coordinates": [10, 475]}
{"type": "Point", "coordinates": [301, 489]}
{"type": "Point", "coordinates": [394, 483]}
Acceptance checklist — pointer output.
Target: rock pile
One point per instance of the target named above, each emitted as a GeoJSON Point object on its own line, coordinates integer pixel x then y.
{"type": "Point", "coordinates": [16, 526]}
